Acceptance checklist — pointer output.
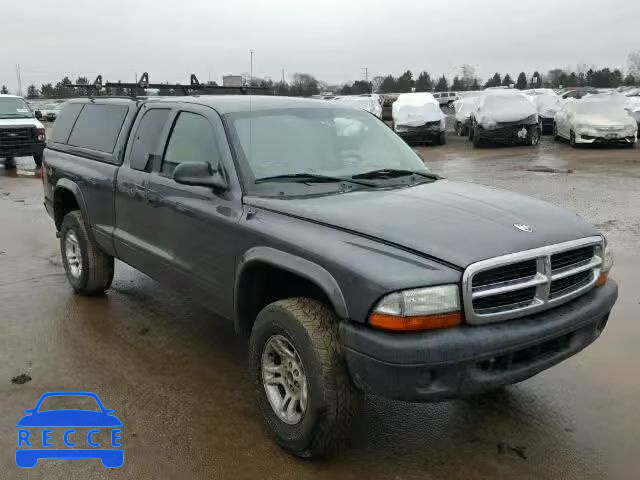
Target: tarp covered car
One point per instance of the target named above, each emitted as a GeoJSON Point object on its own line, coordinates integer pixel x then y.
{"type": "Point", "coordinates": [463, 108]}
{"type": "Point", "coordinates": [504, 116]}
{"type": "Point", "coordinates": [370, 104]}
{"type": "Point", "coordinates": [417, 118]}
{"type": "Point", "coordinates": [597, 119]}
{"type": "Point", "coordinates": [548, 104]}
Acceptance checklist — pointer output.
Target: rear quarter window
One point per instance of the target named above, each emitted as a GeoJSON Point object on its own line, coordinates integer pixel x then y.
{"type": "Point", "coordinates": [98, 126]}
{"type": "Point", "coordinates": [65, 121]}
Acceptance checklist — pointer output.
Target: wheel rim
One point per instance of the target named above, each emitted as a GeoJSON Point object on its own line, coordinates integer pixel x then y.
{"type": "Point", "coordinates": [73, 254]}
{"type": "Point", "coordinates": [284, 380]}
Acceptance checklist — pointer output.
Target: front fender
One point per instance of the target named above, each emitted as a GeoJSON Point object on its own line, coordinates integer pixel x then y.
{"type": "Point", "coordinates": [66, 184]}
{"type": "Point", "coordinates": [297, 265]}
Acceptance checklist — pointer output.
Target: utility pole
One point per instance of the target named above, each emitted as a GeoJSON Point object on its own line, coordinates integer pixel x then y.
{"type": "Point", "coordinates": [19, 80]}
{"type": "Point", "coordinates": [251, 50]}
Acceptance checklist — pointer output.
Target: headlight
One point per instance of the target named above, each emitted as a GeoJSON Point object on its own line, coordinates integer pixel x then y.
{"type": "Point", "coordinates": [607, 264]}
{"type": "Point", "coordinates": [418, 309]}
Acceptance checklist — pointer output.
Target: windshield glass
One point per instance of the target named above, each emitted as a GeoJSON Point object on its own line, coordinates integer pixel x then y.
{"type": "Point", "coordinates": [66, 402]}
{"type": "Point", "coordinates": [14, 108]}
{"type": "Point", "coordinates": [323, 141]}
{"type": "Point", "coordinates": [598, 107]}
{"type": "Point", "coordinates": [501, 101]}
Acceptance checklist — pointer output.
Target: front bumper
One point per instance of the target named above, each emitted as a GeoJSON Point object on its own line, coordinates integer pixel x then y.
{"type": "Point", "coordinates": [448, 363]}
{"type": "Point", "coordinates": [420, 134]}
{"type": "Point", "coordinates": [506, 134]}
{"type": "Point", "coordinates": [21, 150]}
{"type": "Point", "coordinates": [614, 138]}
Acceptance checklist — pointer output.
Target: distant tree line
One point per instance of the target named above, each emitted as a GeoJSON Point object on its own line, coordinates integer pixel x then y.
{"type": "Point", "coordinates": [305, 84]}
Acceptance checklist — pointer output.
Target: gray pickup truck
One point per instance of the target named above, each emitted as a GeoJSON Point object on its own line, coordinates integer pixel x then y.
{"type": "Point", "coordinates": [323, 237]}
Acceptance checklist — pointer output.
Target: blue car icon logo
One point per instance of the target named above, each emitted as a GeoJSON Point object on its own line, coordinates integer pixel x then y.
{"type": "Point", "coordinates": [40, 428]}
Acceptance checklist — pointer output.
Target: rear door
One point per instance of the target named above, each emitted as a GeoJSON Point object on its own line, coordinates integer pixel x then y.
{"type": "Point", "coordinates": [196, 225]}
{"type": "Point", "coordinates": [135, 235]}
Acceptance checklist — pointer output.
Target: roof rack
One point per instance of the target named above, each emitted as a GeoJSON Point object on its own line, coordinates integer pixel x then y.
{"type": "Point", "coordinates": [193, 88]}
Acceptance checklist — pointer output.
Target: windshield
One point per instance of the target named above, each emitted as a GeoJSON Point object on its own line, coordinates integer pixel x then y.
{"type": "Point", "coordinates": [14, 108]}
{"type": "Point", "coordinates": [598, 108]}
{"type": "Point", "coordinates": [323, 141]}
{"type": "Point", "coordinates": [69, 402]}
{"type": "Point", "coordinates": [501, 101]}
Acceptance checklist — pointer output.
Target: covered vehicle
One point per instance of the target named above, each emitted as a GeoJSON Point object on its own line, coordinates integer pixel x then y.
{"type": "Point", "coordinates": [633, 107]}
{"type": "Point", "coordinates": [548, 104]}
{"type": "Point", "coordinates": [598, 119]}
{"type": "Point", "coordinates": [463, 108]}
{"type": "Point", "coordinates": [417, 118]}
{"type": "Point", "coordinates": [369, 104]}
{"type": "Point", "coordinates": [504, 116]}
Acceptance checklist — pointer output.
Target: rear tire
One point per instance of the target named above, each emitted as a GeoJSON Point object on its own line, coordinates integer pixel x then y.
{"type": "Point", "coordinates": [311, 329]}
{"type": "Point", "coordinates": [89, 270]}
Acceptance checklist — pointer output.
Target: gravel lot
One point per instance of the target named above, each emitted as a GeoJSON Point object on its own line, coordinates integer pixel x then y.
{"type": "Point", "coordinates": [177, 376]}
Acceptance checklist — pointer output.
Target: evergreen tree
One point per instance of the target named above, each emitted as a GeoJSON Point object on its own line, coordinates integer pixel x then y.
{"type": "Point", "coordinates": [424, 82]}
{"type": "Point", "coordinates": [521, 83]}
{"type": "Point", "coordinates": [442, 85]}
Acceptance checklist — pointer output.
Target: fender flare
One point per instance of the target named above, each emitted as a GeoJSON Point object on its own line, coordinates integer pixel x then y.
{"type": "Point", "coordinates": [66, 184]}
{"type": "Point", "coordinates": [294, 264]}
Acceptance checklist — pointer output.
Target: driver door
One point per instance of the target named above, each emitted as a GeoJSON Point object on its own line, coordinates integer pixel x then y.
{"type": "Point", "coordinates": [196, 225]}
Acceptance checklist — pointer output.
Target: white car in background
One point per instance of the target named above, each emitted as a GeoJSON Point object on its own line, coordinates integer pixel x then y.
{"type": "Point", "coordinates": [446, 98]}
{"type": "Point", "coordinates": [417, 118]}
{"type": "Point", "coordinates": [598, 119]}
{"type": "Point", "coordinates": [367, 103]}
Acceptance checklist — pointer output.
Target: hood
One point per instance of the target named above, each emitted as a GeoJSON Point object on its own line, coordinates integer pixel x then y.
{"type": "Point", "coordinates": [457, 222]}
{"type": "Point", "coordinates": [69, 418]}
{"type": "Point", "coordinates": [494, 108]}
{"type": "Point", "coordinates": [416, 109]}
{"type": "Point", "coordinates": [611, 118]}
{"type": "Point", "coordinates": [20, 122]}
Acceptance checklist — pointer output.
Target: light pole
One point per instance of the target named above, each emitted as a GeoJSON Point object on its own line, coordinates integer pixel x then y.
{"type": "Point", "coordinates": [251, 50]}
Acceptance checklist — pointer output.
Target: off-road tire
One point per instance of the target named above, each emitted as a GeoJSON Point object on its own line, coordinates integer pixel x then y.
{"type": "Point", "coordinates": [10, 163]}
{"type": "Point", "coordinates": [312, 328]}
{"type": "Point", "coordinates": [37, 158]}
{"type": "Point", "coordinates": [97, 266]}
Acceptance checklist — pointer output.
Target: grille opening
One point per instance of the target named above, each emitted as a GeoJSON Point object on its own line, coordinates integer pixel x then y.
{"type": "Point", "coordinates": [515, 360]}
{"type": "Point", "coordinates": [569, 284]}
{"type": "Point", "coordinates": [513, 271]}
{"type": "Point", "coordinates": [572, 257]}
{"type": "Point", "coordinates": [510, 298]}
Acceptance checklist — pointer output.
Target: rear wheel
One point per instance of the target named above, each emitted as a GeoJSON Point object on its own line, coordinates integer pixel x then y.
{"type": "Point", "coordinates": [89, 270]}
{"type": "Point", "coordinates": [302, 385]}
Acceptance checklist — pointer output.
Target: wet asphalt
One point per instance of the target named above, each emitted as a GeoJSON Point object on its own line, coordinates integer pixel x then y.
{"type": "Point", "coordinates": [177, 376]}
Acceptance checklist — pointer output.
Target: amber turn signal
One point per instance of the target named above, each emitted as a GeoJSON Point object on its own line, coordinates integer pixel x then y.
{"type": "Point", "coordinates": [420, 322]}
{"type": "Point", "coordinates": [602, 279]}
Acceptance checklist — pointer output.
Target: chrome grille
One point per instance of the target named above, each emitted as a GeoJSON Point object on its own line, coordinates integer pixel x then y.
{"type": "Point", "coordinates": [526, 282]}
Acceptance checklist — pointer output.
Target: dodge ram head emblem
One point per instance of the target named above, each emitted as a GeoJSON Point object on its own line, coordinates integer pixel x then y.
{"type": "Point", "coordinates": [523, 227]}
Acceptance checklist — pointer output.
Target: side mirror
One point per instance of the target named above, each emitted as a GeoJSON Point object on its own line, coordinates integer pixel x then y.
{"type": "Point", "coordinates": [199, 174]}
{"type": "Point", "coordinates": [28, 410]}
{"type": "Point", "coordinates": [38, 114]}
{"type": "Point", "coordinates": [109, 411]}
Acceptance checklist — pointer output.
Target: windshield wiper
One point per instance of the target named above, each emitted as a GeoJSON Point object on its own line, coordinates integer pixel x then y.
{"type": "Point", "coordinates": [309, 178]}
{"type": "Point", "coordinates": [394, 172]}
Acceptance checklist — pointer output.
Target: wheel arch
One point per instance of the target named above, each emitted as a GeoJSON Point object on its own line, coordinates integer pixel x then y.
{"type": "Point", "coordinates": [67, 196]}
{"type": "Point", "coordinates": [259, 265]}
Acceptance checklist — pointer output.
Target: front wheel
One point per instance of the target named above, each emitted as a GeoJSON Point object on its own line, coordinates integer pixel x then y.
{"type": "Point", "coordinates": [303, 388]}
{"type": "Point", "coordinates": [89, 270]}
{"type": "Point", "coordinates": [37, 158]}
{"type": "Point", "coordinates": [10, 163]}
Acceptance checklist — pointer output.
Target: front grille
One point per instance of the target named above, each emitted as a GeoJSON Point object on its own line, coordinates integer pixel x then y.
{"type": "Point", "coordinates": [526, 282]}
{"type": "Point", "coordinates": [17, 135]}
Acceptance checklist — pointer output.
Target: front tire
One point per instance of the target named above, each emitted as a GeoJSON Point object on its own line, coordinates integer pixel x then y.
{"type": "Point", "coordinates": [10, 163]}
{"type": "Point", "coordinates": [37, 158]}
{"type": "Point", "coordinates": [89, 270]}
{"type": "Point", "coordinates": [296, 340]}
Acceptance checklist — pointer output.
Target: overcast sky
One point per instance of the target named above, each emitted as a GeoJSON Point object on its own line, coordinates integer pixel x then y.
{"type": "Point", "coordinates": [331, 39]}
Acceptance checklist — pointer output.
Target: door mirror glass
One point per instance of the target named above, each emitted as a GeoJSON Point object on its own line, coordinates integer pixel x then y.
{"type": "Point", "coordinates": [199, 174]}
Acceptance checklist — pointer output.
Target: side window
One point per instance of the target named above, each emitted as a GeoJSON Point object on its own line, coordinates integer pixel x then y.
{"type": "Point", "coordinates": [65, 121]}
{"type": "Point", "coordinates": [192, 140]}
{"type": "Point", "coordinates": [98, 127]}
{"type": "Point", "coordinates": [147, 138]}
